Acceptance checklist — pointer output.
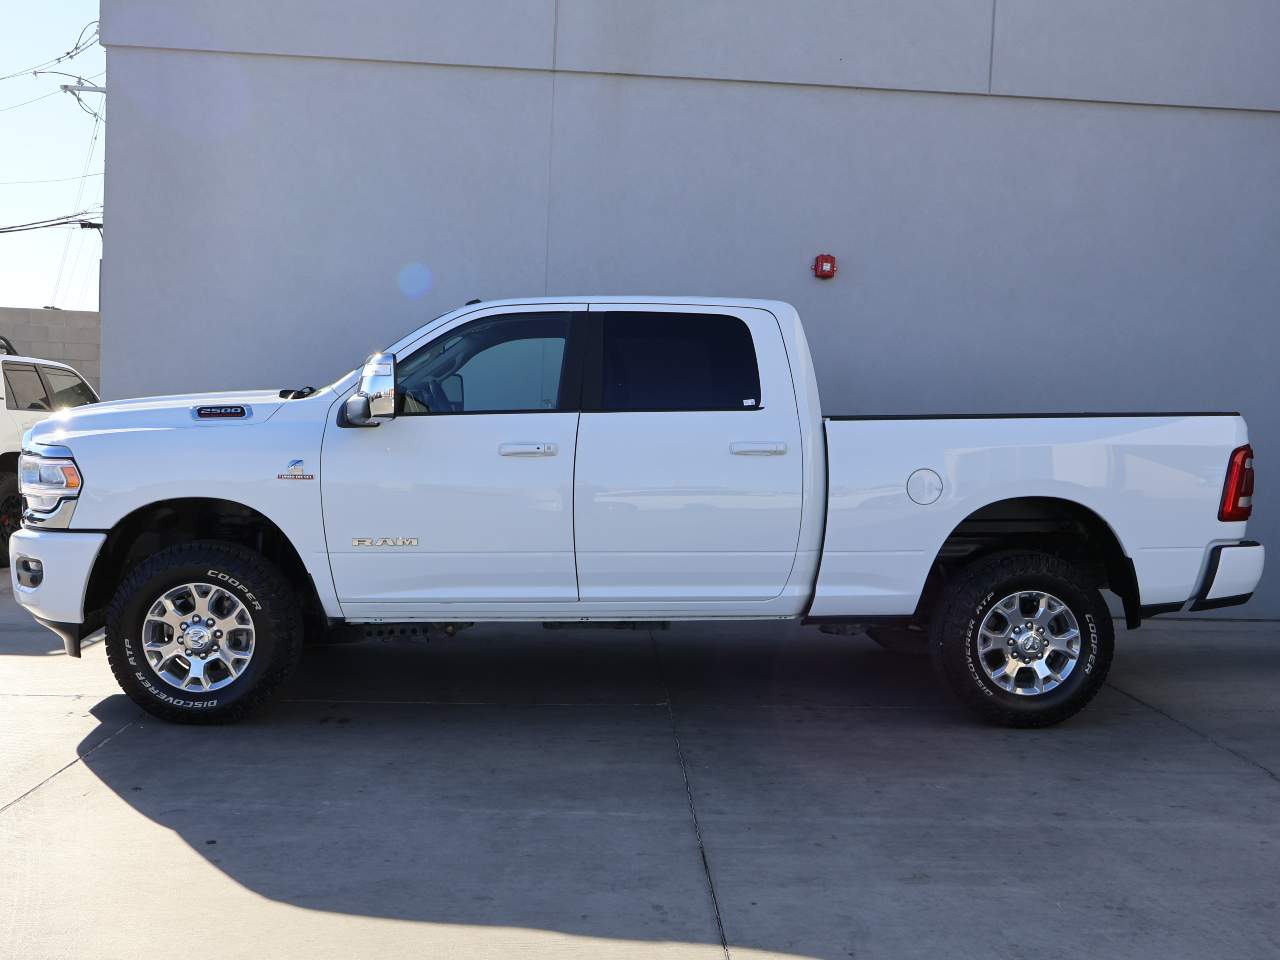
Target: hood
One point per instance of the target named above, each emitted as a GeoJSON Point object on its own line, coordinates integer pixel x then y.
{"type": "Point", "coordinates": [191, 411]}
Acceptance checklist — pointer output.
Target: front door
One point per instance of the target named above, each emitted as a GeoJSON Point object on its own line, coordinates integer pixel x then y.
{"type": "Point", "coordinates": [466, 497]}
{"type": "Point", "coordinates": [688, 485]}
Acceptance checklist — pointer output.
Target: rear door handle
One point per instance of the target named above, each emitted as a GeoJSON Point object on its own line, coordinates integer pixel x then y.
{"type": "Point", "coordinates": [757, 448]}
{"type": "Point", "coordinates": [527, 449]}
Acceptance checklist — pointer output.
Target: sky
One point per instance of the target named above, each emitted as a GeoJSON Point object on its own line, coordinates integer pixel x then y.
{"type": "Point", "coordinates": [48, 140]}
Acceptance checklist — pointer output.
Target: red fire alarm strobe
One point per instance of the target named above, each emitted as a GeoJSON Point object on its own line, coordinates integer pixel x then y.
{"type": "Point", "coordinates": [824, 266]}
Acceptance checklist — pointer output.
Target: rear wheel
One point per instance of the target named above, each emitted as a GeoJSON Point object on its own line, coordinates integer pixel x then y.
{"type": "Point", "coordinates": [1023, 639]}
{"type": "Point", "coordinates": [203, 632]}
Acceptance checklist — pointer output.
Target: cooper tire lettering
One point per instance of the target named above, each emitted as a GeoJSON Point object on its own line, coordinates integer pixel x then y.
{"type": "Point", "coordinates": [966, 600]}
{"type": "Point", "coordinates": [251, 578]}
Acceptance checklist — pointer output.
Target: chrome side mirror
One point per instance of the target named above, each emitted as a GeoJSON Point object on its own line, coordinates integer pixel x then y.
{"type": "Point", "coordinates": [375, 399]}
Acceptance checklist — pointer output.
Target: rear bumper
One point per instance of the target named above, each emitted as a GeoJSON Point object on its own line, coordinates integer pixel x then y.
{"type": "Point", "coordinates": [1231, 575]}
{"type": "Point", "coordinates": [56, 598]}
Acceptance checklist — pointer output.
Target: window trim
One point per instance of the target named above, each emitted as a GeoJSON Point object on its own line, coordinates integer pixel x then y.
{"type": "Point", "coordinates": [11, 402]}
{"type": "Point", "coordinates": [569, 396]}
{"type": "Point", "coordinates": [48, 387]}
{"type": "Point", "coordinates": [593, 361]}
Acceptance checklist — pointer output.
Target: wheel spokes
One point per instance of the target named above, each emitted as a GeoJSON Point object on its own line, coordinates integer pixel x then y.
{"type": "Point", "coordinates": [1067, 642]}
{"type": "Point", "coordinates": [1038, 637]}
{"type": "Point", "coordinates": [198, 637]}
{"type": "Point", "coordinates": [1007, 674]}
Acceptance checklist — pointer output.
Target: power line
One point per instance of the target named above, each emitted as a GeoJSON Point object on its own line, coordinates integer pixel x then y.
{"type": "Point", "coordinates": [63, 221]}
{"type": "Point", "coordinates": [15, 106]}
{"type": "Point", "coordinates": [81, 45]}
{"type": "Point", "coordinates": [44, 96]}
{"type": "Point", "coordinates": [17, 183]}
{"type": "Point", "coordinates": [84, 175]}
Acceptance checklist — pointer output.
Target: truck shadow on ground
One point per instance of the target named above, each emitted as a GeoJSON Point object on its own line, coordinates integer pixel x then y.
{"type": "Point", "coordinates": [533, 780]}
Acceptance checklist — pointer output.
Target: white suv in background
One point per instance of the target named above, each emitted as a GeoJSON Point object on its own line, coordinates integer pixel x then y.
{"type": "Point", "coordinates": [33, 389]}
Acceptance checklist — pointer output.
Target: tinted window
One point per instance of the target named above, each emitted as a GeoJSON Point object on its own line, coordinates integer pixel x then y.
{"type": "Point", "coordinates": [512, 363]}
{"type": "Point", "coordinates": [66, 389]}
{"type": "Point", "coordinates": [24, 390]}
{"type": "Point", "coordinates": [678, 361]}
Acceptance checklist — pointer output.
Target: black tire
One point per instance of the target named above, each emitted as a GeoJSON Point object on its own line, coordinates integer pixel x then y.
{"type": "Point", "coordinates": [972, 594]}
{"type": "Point", "coordinates": [10, 513]}
{"type": "Point", "coordinates": [253, 580]}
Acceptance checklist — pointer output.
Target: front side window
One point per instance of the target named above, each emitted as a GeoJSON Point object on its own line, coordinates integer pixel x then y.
{"type": "Point", "coordinates": [24, 390]}
{"type": "Point", "coordinates": [66, 389]}
{"type": "Point", "coordinates": [506, 364]}
{"type": "Point", "coordinates": [677, 361]}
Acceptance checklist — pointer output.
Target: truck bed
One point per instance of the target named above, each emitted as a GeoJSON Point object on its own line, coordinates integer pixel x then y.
{"type": "Point", "coordinates": [1154, 478]}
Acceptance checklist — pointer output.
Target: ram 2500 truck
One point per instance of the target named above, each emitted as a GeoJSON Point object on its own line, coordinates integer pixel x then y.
{"type": "Point", "coordinates": [616, 460]}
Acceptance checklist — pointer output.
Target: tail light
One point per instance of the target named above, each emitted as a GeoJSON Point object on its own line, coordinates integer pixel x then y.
{"type": "Point", "coordinates": [1237, 492]}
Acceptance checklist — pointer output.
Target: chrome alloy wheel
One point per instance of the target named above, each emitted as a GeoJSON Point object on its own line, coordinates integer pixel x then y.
{"type": "Point", "coordinates": [198, 637]}
{"type": "Point", "coordinates": [1029, 643]}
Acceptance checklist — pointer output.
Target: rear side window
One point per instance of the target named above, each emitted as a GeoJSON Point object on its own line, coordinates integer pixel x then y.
{"type": "Point", "coordinates": [66, 389]}
{"type": "Point", "coordinates": [676, 361]}
{"type": "Point", "coordinates": [24, 390]}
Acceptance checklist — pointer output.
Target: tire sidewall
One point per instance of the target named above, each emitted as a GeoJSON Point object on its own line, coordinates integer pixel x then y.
{"type": "Point", "coordinates": [126, 635]}
{"type": "Point", "coordinates": [1096, 634]}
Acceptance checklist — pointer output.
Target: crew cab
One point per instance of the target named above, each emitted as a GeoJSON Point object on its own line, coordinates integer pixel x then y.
{"type": "Point", "coordinates": [617, 460]}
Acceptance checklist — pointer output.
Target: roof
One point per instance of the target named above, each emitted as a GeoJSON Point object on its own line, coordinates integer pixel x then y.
{"type": "Point", "coordinates": [17, 358]}
{"type": "Point", "coordinates": [639, 299]}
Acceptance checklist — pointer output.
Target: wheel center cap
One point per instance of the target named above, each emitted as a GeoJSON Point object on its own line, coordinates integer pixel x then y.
{"type": "Point", "coordinates": [198, 639]}
{"type": "Point", "coordinates": [1030, 644]}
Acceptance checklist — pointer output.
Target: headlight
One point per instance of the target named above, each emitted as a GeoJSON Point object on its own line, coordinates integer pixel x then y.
{"type": "Point", "coordinates": [46, 481]}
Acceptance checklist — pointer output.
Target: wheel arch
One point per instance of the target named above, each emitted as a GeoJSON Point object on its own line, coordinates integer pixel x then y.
{"type": "Point", "coordinates": [165, 523]}
{"type": "Point", "coordinates": [1060, 525]}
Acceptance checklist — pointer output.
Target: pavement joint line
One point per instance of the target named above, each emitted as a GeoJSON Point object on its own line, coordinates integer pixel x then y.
{"type": "Point", "coordinates": [69, 764]}
{"type": "Point", "coordinates": [1199, 733]}
{"type": "Point", "coordinates": [693, 809]}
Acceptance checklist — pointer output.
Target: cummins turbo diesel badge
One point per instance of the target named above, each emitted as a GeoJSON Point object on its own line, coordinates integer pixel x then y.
{"type": "Point", "coordinates": [297, 471]}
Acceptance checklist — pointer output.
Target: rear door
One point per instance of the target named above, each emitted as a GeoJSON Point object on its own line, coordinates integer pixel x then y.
{"type": "Point", "coordinates": [25, 396]}
{"type": "Point", "coordinates": [66, 388]}
{"type": "Point", "coordinates": [687, 486]}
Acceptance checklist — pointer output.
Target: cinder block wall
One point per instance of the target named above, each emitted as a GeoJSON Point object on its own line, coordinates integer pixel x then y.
{"type": "Point", "coordinates": [70, 336]}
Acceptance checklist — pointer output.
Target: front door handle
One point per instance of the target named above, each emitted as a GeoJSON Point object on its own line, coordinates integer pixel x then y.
{"type": "Point", "coordinates": [758, 448]}
{"type": "Point", "coordinates": [527, 449]}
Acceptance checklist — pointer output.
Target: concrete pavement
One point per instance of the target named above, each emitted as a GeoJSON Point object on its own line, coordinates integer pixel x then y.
{"type": "Point", "coordinates": [521, 792]}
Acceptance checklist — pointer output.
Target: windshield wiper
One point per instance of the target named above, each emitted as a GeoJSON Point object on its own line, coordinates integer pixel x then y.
{"type": "Point", "coordinates": [296, 394]}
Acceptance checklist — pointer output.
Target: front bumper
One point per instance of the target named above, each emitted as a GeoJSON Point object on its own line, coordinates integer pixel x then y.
{"type": "Point", "coordinates": [1231, 576]}
{"type": "Point", "coordinates": [56, 598]}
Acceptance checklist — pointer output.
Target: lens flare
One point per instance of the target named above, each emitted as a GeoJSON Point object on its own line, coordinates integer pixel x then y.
{"type": "Point", "coordinates": [415, 280]}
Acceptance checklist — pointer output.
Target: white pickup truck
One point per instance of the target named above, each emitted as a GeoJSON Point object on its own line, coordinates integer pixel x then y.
{"type": "Point", "coordinates": [617, 461]}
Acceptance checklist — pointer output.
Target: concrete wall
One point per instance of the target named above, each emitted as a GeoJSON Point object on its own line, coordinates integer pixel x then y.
{"type": "Point", "coordinates": [71, 336]}
{"type": "Point", "coordinates": [1036, 205]}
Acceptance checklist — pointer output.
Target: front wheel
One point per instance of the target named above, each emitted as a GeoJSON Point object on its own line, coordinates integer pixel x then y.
{"type": "Point", "coordinates": [203, 632]}
{"type": "Point", "coordinates": [1023, 639]}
